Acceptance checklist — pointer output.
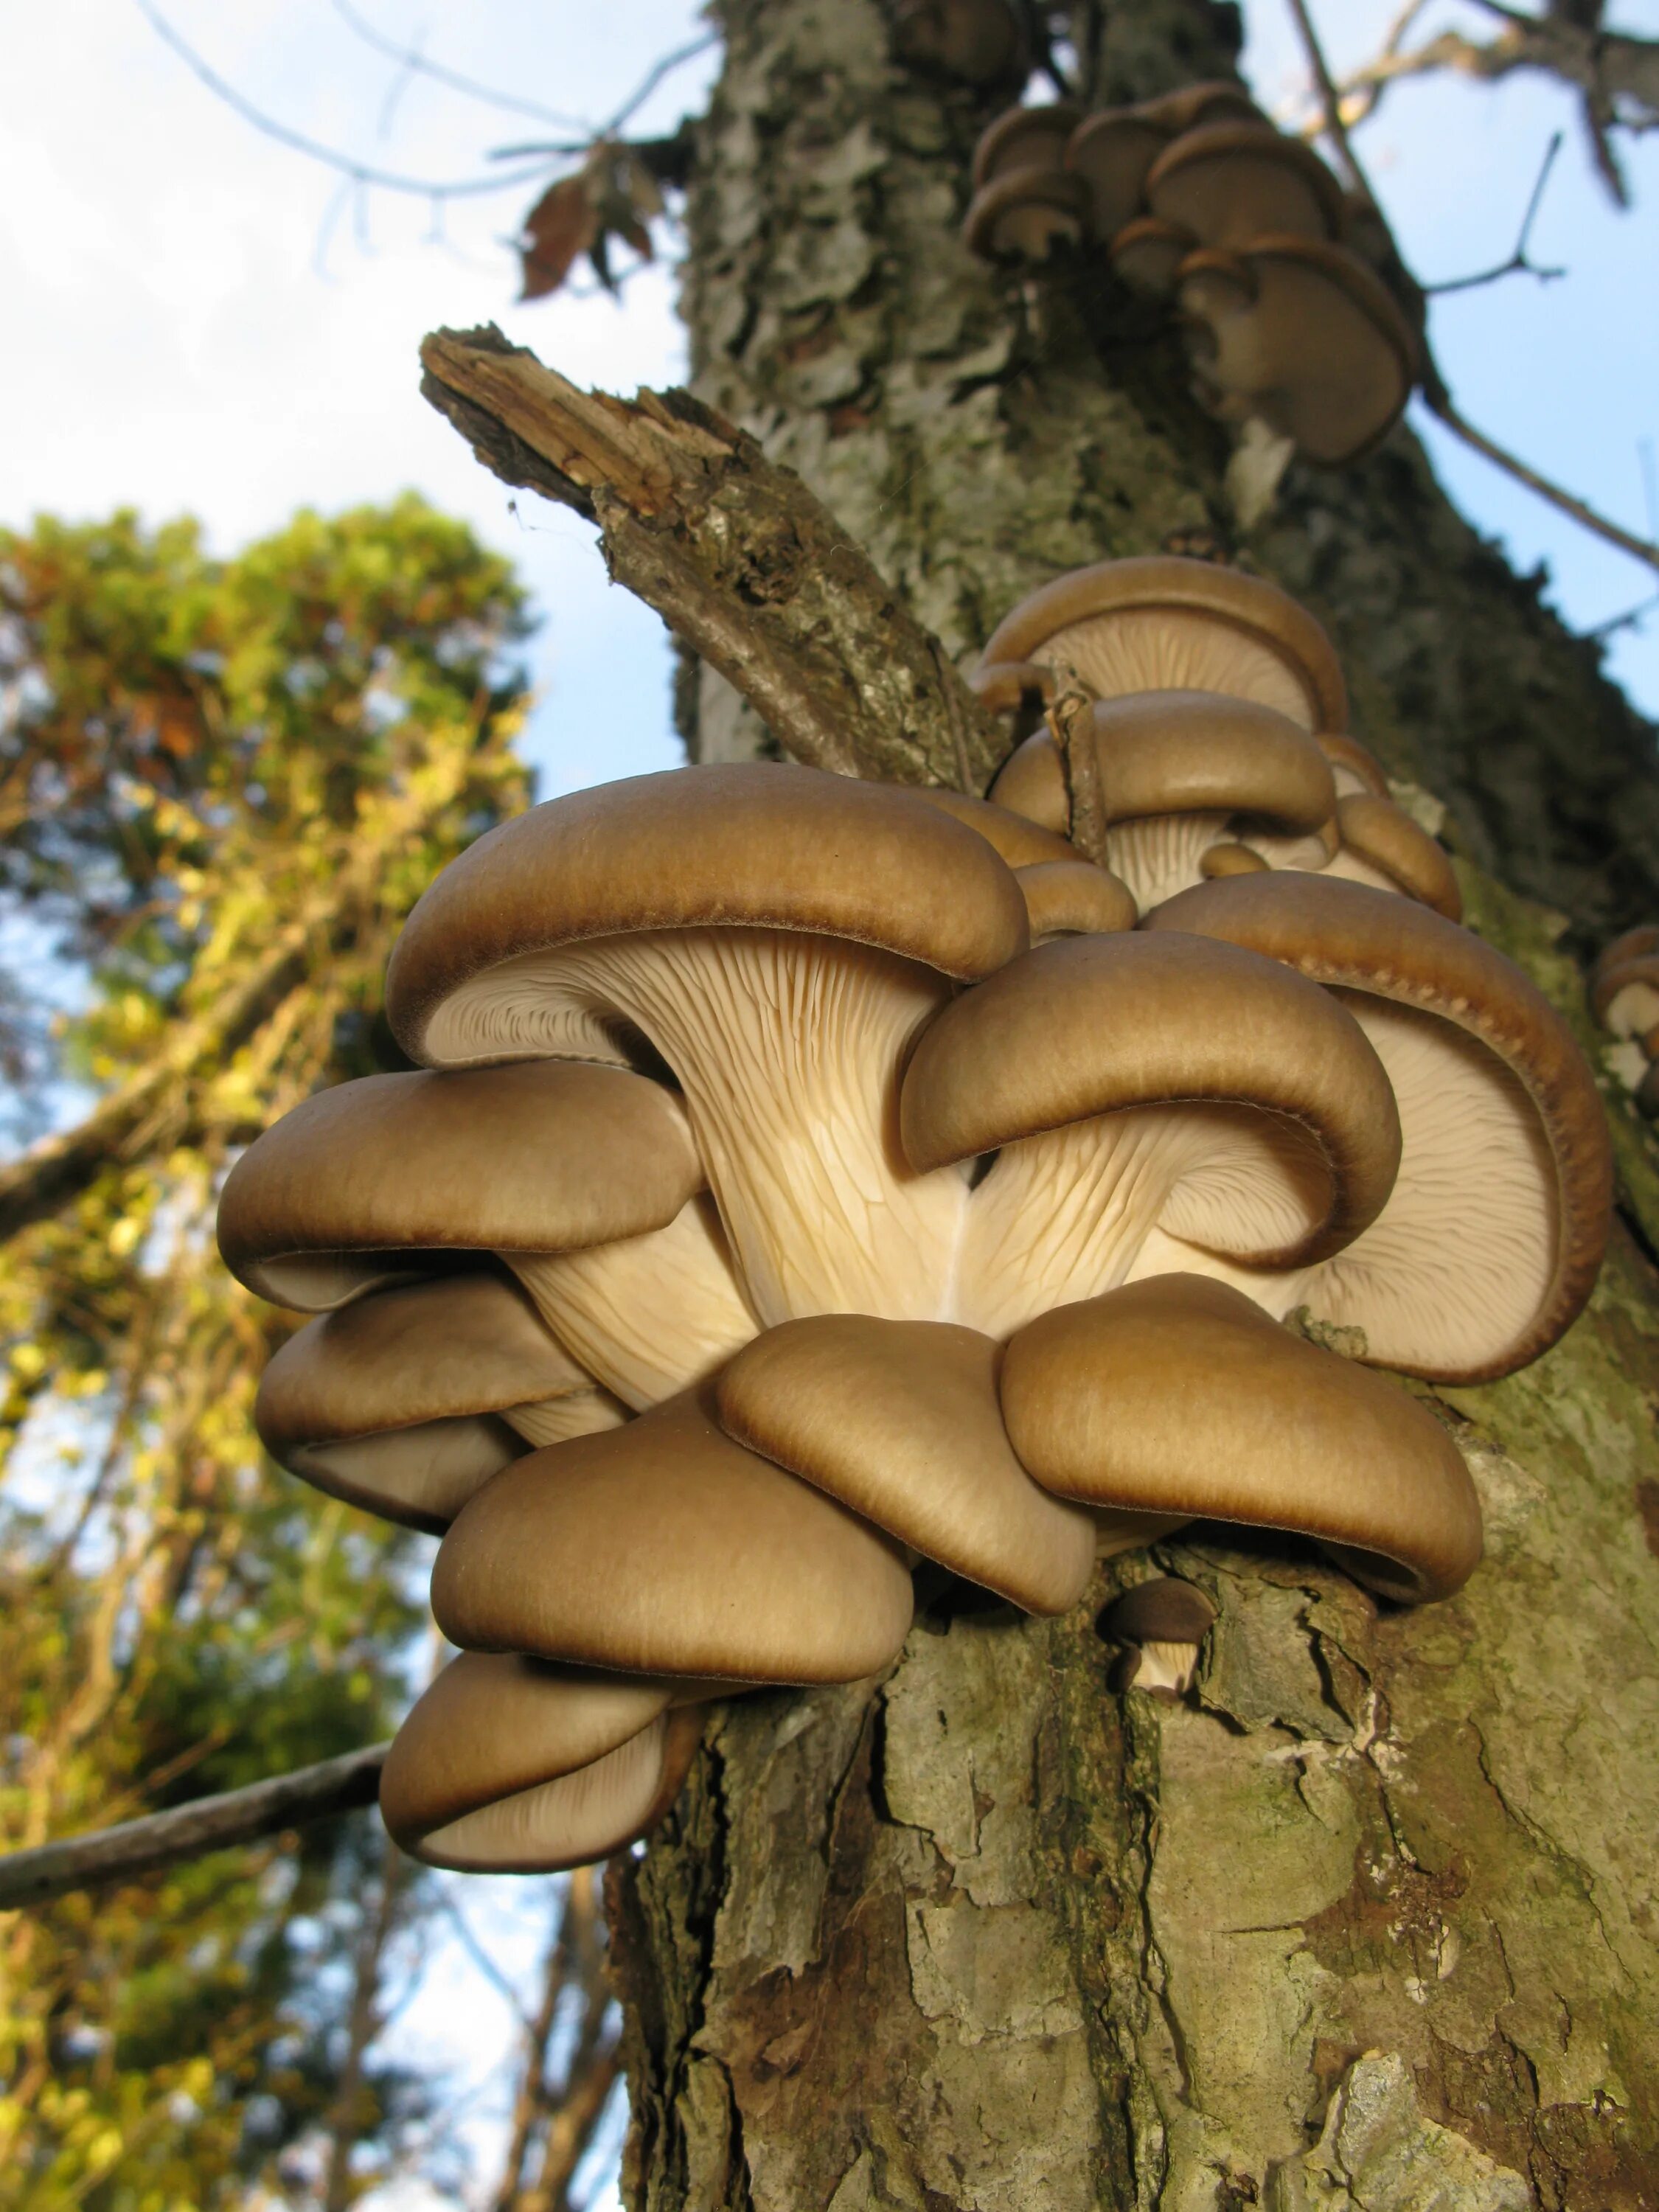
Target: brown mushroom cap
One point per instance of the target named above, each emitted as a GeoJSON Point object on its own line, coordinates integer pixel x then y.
{"type": "Point", "coordinates": [368, 1181]}
{"type": "Point", "coordinates": [1031, 780]}
{"type": "Point", "coordinates": [1178, 1394]}
{"type": "Point", "coordinates": [1300, 332]}
{"type": "Point", "coordinates": [1074, 899]}
{"type": "Point", "coordinates": [1228, 859]}
{"type": "Point", "coordinates": [1162, 1610]}
{"type": "Point", "coordinates": [1013, 685]}
{"type": "Point", "coordinates": [1353, 765]}
{"type": "Point", "coordinates": [1013, 836]}
{"type": "Point", "coordinates": [1025, 138]}
{"type": "Point", "coordinates": [1493, 1238]}
{"type": "Point", "coordinates": [1024, 214]}
{"type": "Point", "coordinates": [1146, 254]}
{"type": "Point", "coordinates": [387, 1402]}
{"type": "Point", "coordinates": [1215, 99]}
{"type": "Point", "coordinates": [1111, 151]}
{"type": "Point", "coordinates": [1164, 623]}
{"type": "Point", "coordinates": [1093, 1026]}
{"type": "Point", "coordinates": [1232, 183]}
{"type": "Point", "coordinates": [1385, 835]}
{"type": "Point", "coordinates": [899, 1420]}
{"type": "Point", "coordinates": [664, 1548]}
{"type": "Point", "coordinates": [1631, 945]}
{"type": "Point", "coordinates": [1174, 751]}
{"type": "Point", "coordinates": [507, 1764]}
{"type": "Point", "coordinates": [757, 845]}
{"type": "Point", "coordinates": [1625, 994]}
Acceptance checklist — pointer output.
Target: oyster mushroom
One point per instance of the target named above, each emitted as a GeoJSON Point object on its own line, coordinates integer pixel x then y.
{"type": "Point", "coordinates": [1229, 184]}
{"type": "Point", "coordinates": [584, 1179]}
{"type": "Point", "coordinates": [1625, 994]}
{"type": "Point", "coordinates": [1147, 252]}
{"type": "Point", "coordinates": [899, 1420]}
{"type": "Point", "coordinates": [979, 41]}
{"type": "Point", "coordinates": [407, 1399]}
{"type": "Point", "coordinates": [1163, 622]}
{"type": "Point", "coordinates": [1300, 332]}
{"type": "Point", "coordinates": [1065, 895]}
{"type": "Point", "coordinates": [1112, 151]}
{"type": "Point", "coordinates": [1382, 846]}
{"type": "Point", "coordinates": [1180, 1396]}
{"type": "Point", "coordinates": [1025, 140]}
{"type": "Point", "coordinates": [1493, 1234]}
{"type": "Point", "coordinates": [1160, 1627]}
{"type": "Point", "coordinates": [1026, 215]}
{"type": "Point", "coordinates": [666, 1548]}
{"type": "Point", "coordinates": [1174, 767]}
{"type": "Point", "coordinates": [778, 936]}
{"type": "Point", "coordinates": [512, 1766]}
{"type": "Point", "coordinates": [1128, 1086]}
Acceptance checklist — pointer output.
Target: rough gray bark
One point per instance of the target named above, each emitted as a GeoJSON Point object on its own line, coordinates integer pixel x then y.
{"type": "Point", "coordinates": [1371, 1923]}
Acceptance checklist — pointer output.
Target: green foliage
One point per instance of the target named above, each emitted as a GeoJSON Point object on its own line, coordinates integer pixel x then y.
{"type": "Point", "coordinates": [224, 784]}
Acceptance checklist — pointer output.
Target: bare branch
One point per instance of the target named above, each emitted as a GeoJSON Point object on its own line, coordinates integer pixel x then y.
{"type": "Point", "coordinates": [740, 560]}
{"type": "Point", "coordinates": [1518, 263]}
{"type": "Point", "coordinates": [653, 76]}
{"type": "Point", "coordinates": [1436, 392]}
{"type": "Point", "coordinates": [361, 172]}
{"type": "Point", "coordinates": [210, 1824]}
{"type": "Point", "coordinates": [416, 64]}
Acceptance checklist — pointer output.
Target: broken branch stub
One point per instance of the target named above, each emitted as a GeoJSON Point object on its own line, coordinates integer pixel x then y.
{"type": "Point", "coordinates": [738, 557]}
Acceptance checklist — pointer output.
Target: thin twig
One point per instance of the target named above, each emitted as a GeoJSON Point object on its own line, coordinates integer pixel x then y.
{"type": "Point", "coordinates": [1437, 392]}
{"type": "Point", "coordinates": [481, 1958]}
{"type": "Point", "coordinates": [361, 172]}
{"type": "Point", "coordinates": [1518, 264]}
{"type": "Point", "coordinates": [416, 65]}
{"type": "Point", "coordinates": [209, 1824]}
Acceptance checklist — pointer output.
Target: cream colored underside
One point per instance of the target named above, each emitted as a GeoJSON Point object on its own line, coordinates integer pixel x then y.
{"type": "Point", "coordinates": [568, 1821]}
{"type": "Point", "coordinates": [1163, 649]}
{"type": "Point", "coordinates": [1456, 1268]}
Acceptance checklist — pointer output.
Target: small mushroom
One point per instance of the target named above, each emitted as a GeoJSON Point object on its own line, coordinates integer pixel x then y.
{"type": "Point", "coordinates": [779, 937]}
{"type": "Point", "coordinates": [1494, 1231]}
{"type": "Point", "coordinates": [1180, 1396]}
{"type": "Point", "coordinates": [1353, 767]}
{"type": "Point", "coordinates": [666, 1548]}
{"type": "Point", "coordinates": [513, 1765]}
{"type": "Point", "coordinates": [1147, 254]}
{"type": "Point", "coordinates": [1012, 835]}
{"type": "Point", "coordinates": [1160, 1625]}
{"type": "Point", "coordinates": [1213, 101]}
{"type": "Point", "coordinates": [1026, 215]}
{"type": "Point", "coordinates": [1025, 139]}
{"type": "Point", "coordinates": [979, 42]}
{"type": "Point", "coordinates": [1228, 859]}
{"type": "Point", "coordinates": [899, 1420]}
{"type": "Point", "coordinates": [1164, 623]}
{"type": "Point", "coordinates": [1175, 767]}
{"type": "Point", "coordinates": [1074, 899]}
{"type": "Point", "coordinates": [1121, 1088]}
{"type": "Point", "coordinates": [1626, 994]}
{"type": "Point", "coordinates": [1229, 184]}
{"type": "Point", "coordinates": [406, 1401]}
{"type": "Point", "coordinates": [1031, 780]}
{"type": "Point", "coordinates": [1299, 331]}
{"type": "Point", "coordinates": [1397, 854]}
{"type": "Point", "coordinates": [1111, 151]}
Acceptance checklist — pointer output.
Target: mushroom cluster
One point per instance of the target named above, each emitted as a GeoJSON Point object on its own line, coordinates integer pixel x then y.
{"type": "Point", "coordinates": [1625, 992]}
{"type": "Point", "coordinates": [805, 1178]}
{"type": "Point", "coordinates": [1195, 199]}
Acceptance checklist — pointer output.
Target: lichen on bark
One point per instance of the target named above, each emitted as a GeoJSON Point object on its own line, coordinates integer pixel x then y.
{"type": "Point", "coordinates": [1370, 1920]}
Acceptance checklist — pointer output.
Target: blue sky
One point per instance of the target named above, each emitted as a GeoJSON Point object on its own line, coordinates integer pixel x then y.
{"type": "Point", "coordinates": [200, 320]}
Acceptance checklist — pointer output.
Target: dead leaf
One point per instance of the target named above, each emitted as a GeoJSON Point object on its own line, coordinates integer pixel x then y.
{"type": "Point", "coordinates": [563, 223]}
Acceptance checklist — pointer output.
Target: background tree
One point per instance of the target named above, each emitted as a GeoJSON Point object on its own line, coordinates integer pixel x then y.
{"type": "Point", "coordinates": [227, 782]}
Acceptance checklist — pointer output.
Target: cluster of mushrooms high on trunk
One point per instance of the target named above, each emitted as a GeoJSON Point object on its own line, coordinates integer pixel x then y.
{"type": "Point", "coordinates": [806, 1178]}
{"type": "Point", "coordinates": [1625, 992]}
{"type": "Point", "coordinates": [1195, 199]}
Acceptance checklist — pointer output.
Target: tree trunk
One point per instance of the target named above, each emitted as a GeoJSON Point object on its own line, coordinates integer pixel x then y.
{"type": "Point", "coordinates": [1371, 1922]}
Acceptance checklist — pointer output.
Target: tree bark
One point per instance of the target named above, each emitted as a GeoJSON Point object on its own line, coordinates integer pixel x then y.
{"type": "Point", "coordinates": [1371, 1920]}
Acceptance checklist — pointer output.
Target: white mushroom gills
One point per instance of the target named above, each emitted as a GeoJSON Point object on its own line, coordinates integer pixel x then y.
{"type": "Point", "coordinates": [1156, 648]}
{"type": "Point", "coordinates": [788, 1048]}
